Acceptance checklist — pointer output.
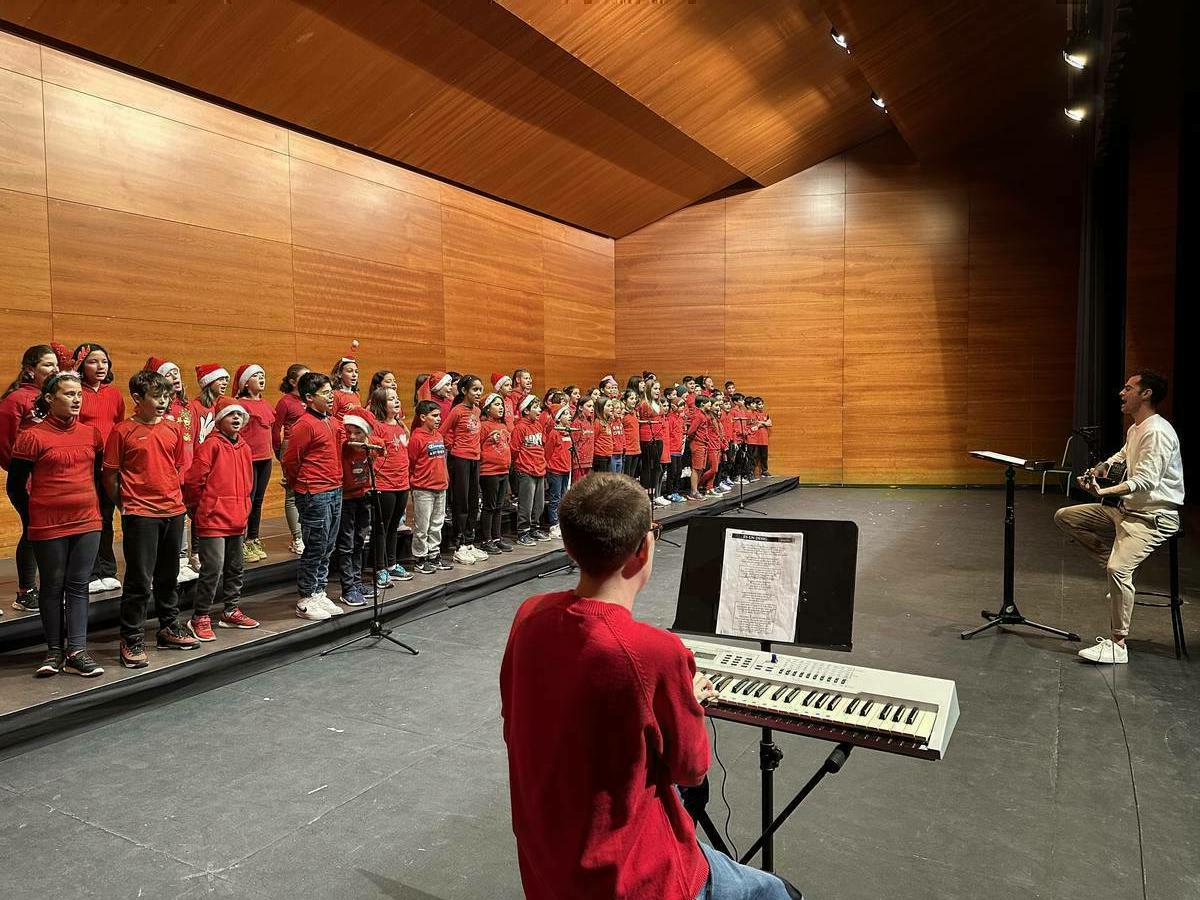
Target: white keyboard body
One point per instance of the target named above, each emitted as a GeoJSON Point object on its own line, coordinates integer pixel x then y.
{"type": "Point", "coordinates": [890, 711]}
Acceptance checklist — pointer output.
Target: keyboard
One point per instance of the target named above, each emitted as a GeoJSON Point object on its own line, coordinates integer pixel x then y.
{"type": "Point", "coordinates": [889, 711]}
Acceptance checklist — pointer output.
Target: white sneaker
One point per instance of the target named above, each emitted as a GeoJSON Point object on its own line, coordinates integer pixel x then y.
{"type": "Point", "coordinates": [325, 603]}
{"type": "Point", "coordinates": [463, 556]}
{"type": "Point", "coordinates": [661, 501]}
{"type": "Point", "coordinates": [1105, 651]}
{"type": "Point", "coordinates": [186, 572]}
{"type": "Point", "coordinates": [111, 584]}
{"type": "Point", "coordinates": [479, 555]}
{"type": "Point", "coordinates": [311, 608]}
{"type": "Point", "coordinates": [556, 532]}
{"type": "Point", "coordinates": [297, 547]}
{"type": "Point", "coordinates": [96, 586]}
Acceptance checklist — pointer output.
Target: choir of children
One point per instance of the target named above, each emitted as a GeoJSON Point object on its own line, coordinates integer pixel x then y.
{"type": "Point", "coordinates": [349, 472]}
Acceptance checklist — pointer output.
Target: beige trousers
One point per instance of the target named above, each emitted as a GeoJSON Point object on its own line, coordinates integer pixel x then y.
{"type": "Point", "coordinates": [1120, 539]}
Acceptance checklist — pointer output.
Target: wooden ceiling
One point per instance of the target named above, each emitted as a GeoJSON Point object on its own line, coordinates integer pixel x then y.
{"type": "Point", "coordinates": [606, 115]}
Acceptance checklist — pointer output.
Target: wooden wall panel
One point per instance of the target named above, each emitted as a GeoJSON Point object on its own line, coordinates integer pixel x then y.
{"type": "Point", "coordinates": [105, 154]}
{"type": "Point", "coordinates": [487, 316]}
{"type": "Point", "coordinates": [406, 359]}
{"type": "Point", "coordinates": [23, 150]}
{"type": "Point", "coordinates": [340, 159]}
{"type": "Point", "coordinates": [24, 252]}
{"type": "Point", "coordinates": [19, 55]}
{"type": "Point", "coordinates": [491, 251]}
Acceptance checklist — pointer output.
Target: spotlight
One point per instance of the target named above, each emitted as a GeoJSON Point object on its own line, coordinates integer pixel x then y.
{"type": "Point", "coordinates": [878, 101]}
{"type": "Point", "coordinates": [1076, 113]}
{"type": "Point", "coordinates": [1075, 60]}
{"type": "Point", "coordinates": [1077, 53]}
{"type": "Point", "coordinates": [839, 39]}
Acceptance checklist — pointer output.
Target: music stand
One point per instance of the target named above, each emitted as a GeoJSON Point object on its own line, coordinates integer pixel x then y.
{"type": "Point", "coordinates": [1009, 614]}
{"type": "Point", "coordinates": [824, 618]}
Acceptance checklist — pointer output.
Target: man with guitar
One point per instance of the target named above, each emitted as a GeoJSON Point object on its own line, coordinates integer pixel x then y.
{"type": "Point", "coordinates": [1149, 493]}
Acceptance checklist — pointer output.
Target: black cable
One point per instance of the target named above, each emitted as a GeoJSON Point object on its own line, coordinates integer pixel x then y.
{"type": "Point", "coordinates": [1137, 809]}
{"type": "Point", "coordinates": [724, 799]}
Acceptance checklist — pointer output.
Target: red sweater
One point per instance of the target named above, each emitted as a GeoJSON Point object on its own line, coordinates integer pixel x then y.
{"type": "Point", "coordinates": [312, 462]}
{"type": "Point", "coordinates": [391, 467]}
{"type": "Point", "coordinates": [148, 459]}
{"type": "Point", "coordinates": [528, 447]}
{"type": "Point", "coordinates": [102, 408]}
{"type": "Point", "coordinates": [605, 438]}
{"type": "Point", "coordinates": [219, 486]}
{"type": "Point", "coordinates": [343, 402]}
{"type": "Point", "coordinates": [16, 414]}
{"type": "Point", "coordinates": [495, 452]}
{"type": "Point", "coordinates": [257, 431]}
{"type": "Point", "coordinates": [650, 422]}
{"type": "Point", "coordinates": [427, 460]}
{"type": "Point", "coordinates": [601, 723]}
{"type": "Point", "coordinates": [461, 431]}
{"type": "Point", "coordinates": [356, 479]}
{"type": "Point", "coordinates": [62, 486]}
{"type": "Point", "coordinates": [202, 421]}
{"type": "Point", "coordinates": [557, 448]}
{"type": "Point", "coordinates": [287, 411]}
{"type": "Point", "coordinates": [629, 424]}
{"type": "Point", "coordinates": [674, 441]}
{"type": "Point", "coordinates": [584, 436]}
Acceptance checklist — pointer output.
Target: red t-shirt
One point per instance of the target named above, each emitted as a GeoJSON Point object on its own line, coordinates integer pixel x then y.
{"type": "Point", "coordinates": [16, 414]}
{"type": "Point", "coordinates": [148, 458]}
{"type": "Point", "coordinates": [219, 486]}
{"type": "Point", "coordinates": [391, 467]}
{"type": "Point", "coordinates": [605, 439]}
{"type": "Point", "coordinates": [343, 402]}
{"type": "Point", "coordinates": [102, 408]}
{"type": "Point", "coordinates": [557, 448]}
{"type": "Point", "coordinates": [257, 431]}
{"type": "Point", "coordinates": [427, 460]}
{"type": "Point", "coordinates": [585, 440]}
{"type": "Point", "coordinates": [650, 422]}
{"type": "Point", "coordinates": [287, 411]}
{"type": "Point", "coordinates": [461, 431]}
{"type": "Point", "coordinates": [629, 424]}
{"type": "Point", "coordinates": [528, 447]}
{"type": "Point", "coordinates": [495, 453]}
{"type": "Point", "coordinates": [674, 441]}
{"type": "Point", "coordinates": [203, 421]}
{"type": "Point", "coordinates": [312, 460]}
{"type": "Point", "coordinates": [62, 487]}
{"type": "Point", "coordinates": [764, 431]}
{"type": "Point", "coordinates": [601, 724]}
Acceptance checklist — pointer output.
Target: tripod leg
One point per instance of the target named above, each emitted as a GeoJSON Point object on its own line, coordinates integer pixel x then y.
{"type": "Point", "coordinates": [387, 636]}
{"type": "Point", "coordinates": [967, 635]}
{"type": "Point", "coordinates": [1068, 635]}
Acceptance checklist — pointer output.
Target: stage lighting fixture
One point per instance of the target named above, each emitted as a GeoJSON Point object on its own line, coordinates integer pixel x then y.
{"type": "Point", "coordinates": [839, 39]}
{"type": "Point", "coordinates": [1076, 113]}
{"type": "Point", "coordinates": [1077, 52]}
{"type": "Point", "coordinates": [878, 101]}
{"type": "Point", "coordinates": [1076, 60]}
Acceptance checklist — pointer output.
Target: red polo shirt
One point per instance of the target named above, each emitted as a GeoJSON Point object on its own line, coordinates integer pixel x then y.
{"type": "Point", "coordinates": [148, 458]}
{"type": "Point", "coordinates": [62, 488]}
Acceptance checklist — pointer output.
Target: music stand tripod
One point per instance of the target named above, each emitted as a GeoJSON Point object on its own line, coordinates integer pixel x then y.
{"type": "Point", "coordinates": [1009, 614]}
{"type": "Point", "coordinates": [375, 630]}
{"type": "Point", "coordinates": [741, 504]}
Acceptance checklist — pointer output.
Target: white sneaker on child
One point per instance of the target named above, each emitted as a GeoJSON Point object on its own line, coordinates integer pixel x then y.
{"type": "Point", "coordinates": [311, 608]}
{"type": "Point", "coordinates": [480, 555]}
{"type": "Point", "coordinates": [327, 604]}
{"type": "Point", "coordinates": [186, 572]}
{"type": "Point", "coordinates": [463, 556]}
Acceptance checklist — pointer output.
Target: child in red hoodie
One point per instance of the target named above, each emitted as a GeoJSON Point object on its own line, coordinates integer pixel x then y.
{"type": "Point", "coordinates": [558, 448]}
{"type": "Point", "coordinates": [218, 493]}
{"type": "Point", "coordinates": [674, 446]}
{"type": "Point", "coordinates": [355, 523]}
{"type": "Point", "coordinates": [529, 459]}
{"type": "Point", "coordinates": [429, 479]}
{"type": "Point", "coordinates": [494, 465]}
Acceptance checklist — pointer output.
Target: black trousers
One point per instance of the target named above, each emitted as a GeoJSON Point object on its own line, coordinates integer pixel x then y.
{"type": "Point", "coordinates": [651, 464]}
{"type": "Point", "coordinates": [353, 529]}
{"type": "Point", "coordinates": [762, 459]}
{"type": "Point", "coordinates": [674, 474]}
{"type": "Point", "coordinates": [26, 561]}
{"type": "Point", "coordinates": [151, 548]}
{"type": "Point", "coordinates": [493, 488]}
{"type": "Point", "coordinates": [106, 558]}
{"type": "Point", "coordinates": [601, 463]}
{"type": "Point", "coordinates": [464, 498]}
{"type": "Point", "coordinates": [632, 464]}
{"type": "Point", "coordinates": [386, 536]}
{"type": "Point", "coordinates": [65, 566]}
{"type": "Point", "coordinates": [262, 477]}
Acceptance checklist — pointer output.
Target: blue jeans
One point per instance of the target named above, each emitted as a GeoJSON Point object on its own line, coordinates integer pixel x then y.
{"type": "Point", "coordinates": [729, 880]}
{"type": "Point", "coordinates": [556, 486]}
{"type": "Point", "coordinates": [618, 464]}
{"type": "Point", "coordinates": [320, 515]}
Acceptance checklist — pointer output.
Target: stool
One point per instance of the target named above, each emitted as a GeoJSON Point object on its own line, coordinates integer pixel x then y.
{"type": "Point", "coordinates": [1173, 600]}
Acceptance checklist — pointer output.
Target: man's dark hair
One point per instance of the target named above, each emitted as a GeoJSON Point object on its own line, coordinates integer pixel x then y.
{"type": "Point", "coordinates": [604, 519]}
{"type": "Point", "coordinates": [737, 398]}
{"type": "Point", "coordinates": [729, 384]}
{"type": "Point", "coordinates": [1155, 384]}
{"type": "Point", "coordinates": [150, 384]}
{"type": "Point", "coordinates": [310, 383]}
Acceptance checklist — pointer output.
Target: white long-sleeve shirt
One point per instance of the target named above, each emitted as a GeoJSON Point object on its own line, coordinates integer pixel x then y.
{"type": "Point", "coordinates": [1153, 466]}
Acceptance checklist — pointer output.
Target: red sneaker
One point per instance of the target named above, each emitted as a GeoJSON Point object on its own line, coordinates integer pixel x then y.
{"type": "Point", "coordinates": [201, 628]}
{"type": "Point", "coordinates": [236, 619]}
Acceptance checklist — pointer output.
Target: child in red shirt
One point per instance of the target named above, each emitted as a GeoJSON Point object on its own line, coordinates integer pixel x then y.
{"type": "Point", "coordinates": [558, 448]}
{"type": "Point", "coordinates": [461, 432]}
{"type": "Point", "coordinates": [17, 413]}
{"type": "Point", "coordinates": [355, 523]}
{"type": "Point", "coordinates": [608, 450]}
{"type": "Point", "coordinates": [312, 465]}
{"type": "Point", "coordinates": [392, 482]}
{"type": "Point", "coordinates": [584, 436]}
{"type": "Point", "coordinates": [103, 407]}
{"type": "Point", "coordinates": [344, 377]}
{"type": "Point", "coordinates": [180, 410]}
{"type": "Point", "coordinates": [673, 445]}
{"type": "Point", "coordinates": [629, 426]}
{"type": "Point", "coordinates": [56, 458]}
{"type": "Point", "coordinates": [288, 409]}
{"type": "Point", "coordinates": [218, 493]}
{"type": "Point", "coordinates": [494, 465]}
{"type": "Point", "coordinates": [251, 381]}
{"type": "Point", "coordinates": [429, 479]}
{"type": "Point", "coordinates": [142, 459]}
{"type": "Point", "coordinates": [762, 434]}
{"type": "Point", "coordinates": [529, 459]}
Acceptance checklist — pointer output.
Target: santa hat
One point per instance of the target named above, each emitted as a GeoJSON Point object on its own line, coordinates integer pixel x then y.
{"type": "Point", "coordinates": [351, 357]}
{"type": "Point", "coordinates": [360, 421]}
{"type": "Point", "coordinates": [490, 399]}
{"type": "Point", "coordinates": [245, 372]}
{"type": "Point", "coordinates": [207, 373]}
{"type": "Point", "coordinates": [159, 365]}
{"type": "Point", "coordinates": [528, 399]}
{"type": "Point", "coordinates": [499, 379]}
{"type": "Point", "coordinates": [606, 379]}
{"type": "Point", "coordinates": [435, 382]}
{"type": "Point", "coordinates": [226, 405]}
{"type": "Point", "coordinates": [564, 411]}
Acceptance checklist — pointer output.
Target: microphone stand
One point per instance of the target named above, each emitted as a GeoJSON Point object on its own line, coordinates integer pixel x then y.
{"type": "Point", "coordinates": [654, 506]}
{"type": "Point", "coordinates": [376, 629]}
{"type": "Point", "coordinates": [741, 505]}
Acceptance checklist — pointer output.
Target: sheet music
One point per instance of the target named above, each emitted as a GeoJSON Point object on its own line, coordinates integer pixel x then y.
{"type": "Point", "coordinates": [1000, 458]}
{"type": "Point", "coordinates": [760, 584]}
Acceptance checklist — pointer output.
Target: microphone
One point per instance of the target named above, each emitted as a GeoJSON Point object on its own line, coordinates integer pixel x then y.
{"type": "Point", "coordinates": [365, 445]}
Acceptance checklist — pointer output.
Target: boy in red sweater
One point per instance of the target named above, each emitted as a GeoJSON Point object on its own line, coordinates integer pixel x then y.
{"type": "Point", "coordinates": [142, 461]}
{"type": "Point", "coordinates": [355, 523]}
{"type": "Point", "coordinates": [218, 492]}
{"type": "Point", "coordinates": [428, 479]}
{"type": "Point", "coordinates": [312, 465]}
{"type": "Point", "coordinates": [594, 806]}
{"type": "Point", "coordinates": [529, 460]}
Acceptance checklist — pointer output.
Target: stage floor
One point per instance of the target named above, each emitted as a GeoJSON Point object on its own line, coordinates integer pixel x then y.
{"type": "Point", "coordinates": [370, 773]}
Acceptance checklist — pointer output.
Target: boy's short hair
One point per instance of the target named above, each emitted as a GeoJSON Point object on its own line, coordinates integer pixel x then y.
{"type": "Point", "coordinates": [424, 408]}
{"type": "Point", "coordinates": [150, 384]}
{"type": "Point", "coordinates": [310, 383]}
{"type": "Point", "coordinates": [728, 384]}
{"type": "Point", "coordinates": [736, 398]}
{"type": "Point", "coordinates": [604, 518]}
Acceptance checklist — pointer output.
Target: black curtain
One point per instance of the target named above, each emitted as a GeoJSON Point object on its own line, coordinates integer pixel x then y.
{"type": "Point", "coordinates": [1186, 404]}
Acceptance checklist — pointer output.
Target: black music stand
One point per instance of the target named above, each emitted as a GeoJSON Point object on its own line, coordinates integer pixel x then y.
{"type": "Point", "coordinates": [1009, 614]}
{"type": "Point", "coordinates": [824, 618]}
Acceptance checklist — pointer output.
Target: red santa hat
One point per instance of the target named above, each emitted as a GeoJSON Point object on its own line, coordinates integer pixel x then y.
{"type": "Point", "coordinates": [246, 372]}
{"type": "Point", "coordinates": [357, 420]}
{"type": "Point", "coordinates": [435, 382]}
{"type": "Point", "coordinates": [499, 379]}
{"type": "Point", "coordinates": [351, 357]}
{"type": "Point", "coordinates": [207, 373]}
{"type": "Point", "coordinates": [159, 365]}
{"type": "Point", "coordinates": [226, 405]}
{"type": "Point", "coordinates": [526, 400]}
{"type": "Point", "coordinates": [490, 399]}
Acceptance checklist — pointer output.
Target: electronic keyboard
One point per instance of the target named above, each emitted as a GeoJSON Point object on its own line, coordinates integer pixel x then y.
{"type": "Point", "coordinates": [890, 711]}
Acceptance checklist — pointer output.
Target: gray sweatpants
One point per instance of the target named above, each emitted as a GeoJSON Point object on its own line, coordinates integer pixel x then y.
{"type": "Point", "coordinates": [531, 496]}
{"type": "Point", "coordinates": [429, 512]}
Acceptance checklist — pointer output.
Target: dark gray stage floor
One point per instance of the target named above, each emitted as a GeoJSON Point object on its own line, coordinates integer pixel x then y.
{"type": "Point", "coordinates": [374, 774]}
